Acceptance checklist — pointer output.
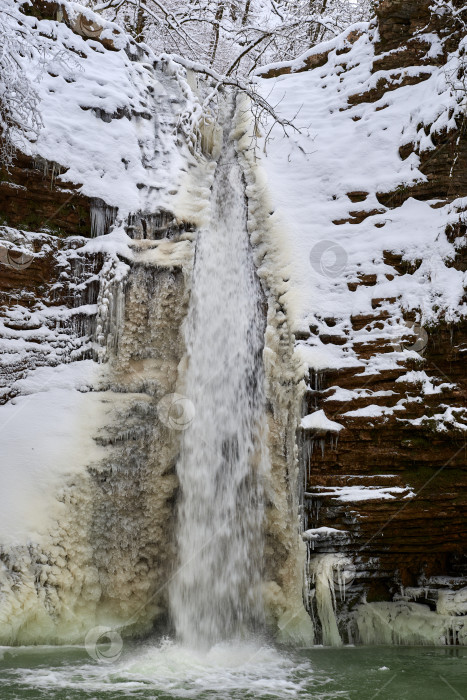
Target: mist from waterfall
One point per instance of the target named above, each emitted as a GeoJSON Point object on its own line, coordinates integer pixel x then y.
{"type": "Point", "coordinates": [215, 594]}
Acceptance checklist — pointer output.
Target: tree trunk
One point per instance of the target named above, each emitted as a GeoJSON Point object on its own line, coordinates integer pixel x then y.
{"type": "Point", "coordinates": [140, 23]}
{"type": "Point", "coordinates": [246, 12]}
{"type": "Point", "coordinates": [316, 30]}
{"type": "Point", "coordinates": [215, 40]}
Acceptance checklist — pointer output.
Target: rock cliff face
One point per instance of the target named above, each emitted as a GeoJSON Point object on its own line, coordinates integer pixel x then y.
{"type": "Point", "coordinates": [90, 342]}
{"type": "Point", "coordinates": [402, 445]}
{"type": "Point", "coordinates": [47, 281]}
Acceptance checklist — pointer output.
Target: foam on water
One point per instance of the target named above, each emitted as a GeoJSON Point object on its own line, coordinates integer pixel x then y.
{"type": "Point", "coordinates": [228, 670]}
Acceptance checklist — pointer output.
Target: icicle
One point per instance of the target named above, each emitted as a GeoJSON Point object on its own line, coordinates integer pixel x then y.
{"type": "Point", "coordinates": [102, 217]}
{"type": "Point", "coordinates": [330, 571]}
{"type": "Point", "coordinates": [46, 166]}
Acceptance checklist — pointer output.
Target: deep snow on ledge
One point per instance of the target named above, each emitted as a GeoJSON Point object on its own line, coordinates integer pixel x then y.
{"type": "Point", "coordinates": [112, 118]}
{"type": "Point", "coordinates": [344, 149]}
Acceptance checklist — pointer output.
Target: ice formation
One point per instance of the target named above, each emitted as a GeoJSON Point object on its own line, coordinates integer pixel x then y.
{"type": "Point", "coordinates": [410, 623]}
{"type": "Point", "coordinates": [330, 574]}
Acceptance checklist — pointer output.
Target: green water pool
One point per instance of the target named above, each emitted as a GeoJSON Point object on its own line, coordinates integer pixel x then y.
{"type": "Point", "coordinates": [248, 670]}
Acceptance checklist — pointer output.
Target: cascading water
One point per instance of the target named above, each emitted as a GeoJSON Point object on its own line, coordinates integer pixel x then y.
{"type": "Point", "coordinates": [216, 591]}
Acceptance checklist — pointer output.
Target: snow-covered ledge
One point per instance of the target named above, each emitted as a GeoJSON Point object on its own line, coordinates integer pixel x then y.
{"type": "Point", "coordinates": [319, 424]}
{"type": "Point", "coordinates": [323, 533]}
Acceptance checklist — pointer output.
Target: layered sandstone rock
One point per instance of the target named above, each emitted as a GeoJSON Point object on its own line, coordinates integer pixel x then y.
{"type": "Point", "coordinates": [395, 482]}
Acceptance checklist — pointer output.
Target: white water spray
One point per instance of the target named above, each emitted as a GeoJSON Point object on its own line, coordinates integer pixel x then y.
{"type": "Point", "coordinates": [215, 594]}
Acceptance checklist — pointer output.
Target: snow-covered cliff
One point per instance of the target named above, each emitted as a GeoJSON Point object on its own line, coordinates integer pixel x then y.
{"type": "Point", "coordinates": [368, 200]}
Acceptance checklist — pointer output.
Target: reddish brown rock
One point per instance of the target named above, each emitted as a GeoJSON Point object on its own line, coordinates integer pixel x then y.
{"type": "Point", "coordinates": [420, 533]}
{"type": "Point", "coordinates": [33, 199]}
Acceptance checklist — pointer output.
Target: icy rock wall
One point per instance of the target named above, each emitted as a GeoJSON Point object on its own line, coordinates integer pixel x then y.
{"type": "Point", "coordinates": [90, 344]}
{"type": "Point", "coordinates": [375, 293]}
{"type": "Point", "coordinates": [410, 623]}
{"type": "Point", "coordinates": [285, 552]}
{"type": "Point", "coordinates": [104, 551]}
{"type": "Point", "coordinates": [134, 488]}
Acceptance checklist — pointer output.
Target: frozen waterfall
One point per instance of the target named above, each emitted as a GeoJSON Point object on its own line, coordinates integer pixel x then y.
{"type": "Point", "coordinates": [215, 593]}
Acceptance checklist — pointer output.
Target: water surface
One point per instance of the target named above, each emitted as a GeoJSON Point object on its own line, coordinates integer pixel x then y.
{"type": "Point", "coordinates": [246, 671]}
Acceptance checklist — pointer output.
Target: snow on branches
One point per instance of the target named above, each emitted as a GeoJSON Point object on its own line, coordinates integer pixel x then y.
{"type": "Point", "coordinates": [27, 50]}
{"type": "Point", "coordinates": [19, 101]}
{"type": "Point", "coordinates": [233, 36]}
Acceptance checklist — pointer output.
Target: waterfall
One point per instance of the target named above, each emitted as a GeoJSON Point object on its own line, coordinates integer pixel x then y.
{"type": "Point", "coordinates": [215, 593]}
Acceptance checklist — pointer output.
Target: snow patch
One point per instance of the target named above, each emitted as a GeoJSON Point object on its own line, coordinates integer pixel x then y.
{"type": "Point", "coordinates": [323, 533]}
{"type": "Point", "coordinates": [353, 494]}
{"type": "Point", "coordinates": [320, 424]}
